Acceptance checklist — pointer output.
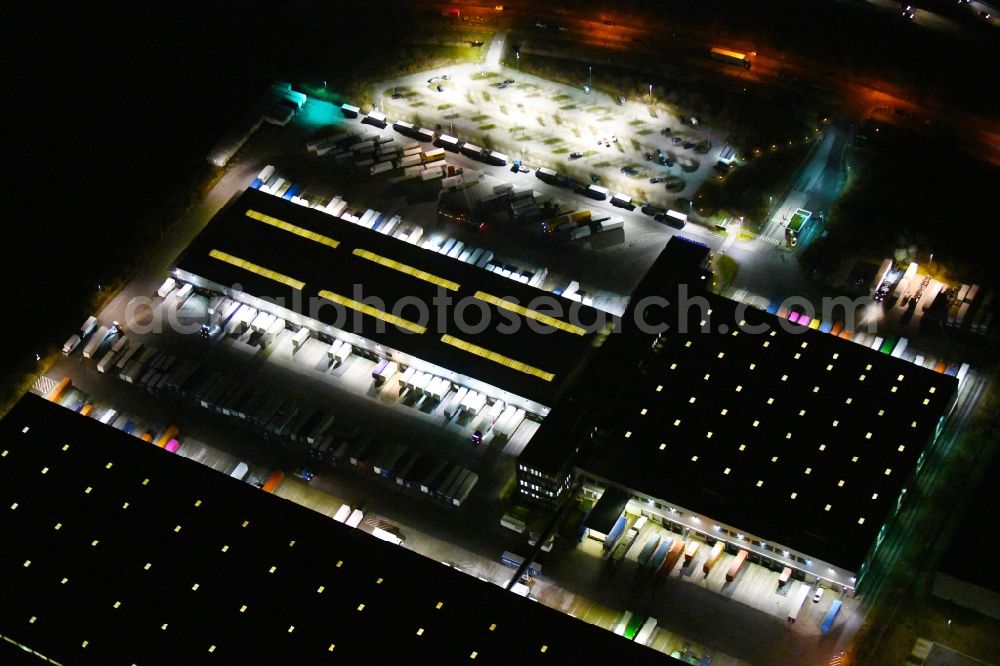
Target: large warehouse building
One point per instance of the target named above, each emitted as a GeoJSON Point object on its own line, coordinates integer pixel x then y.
{"type": "Point", "coordinates": [731, 425]}
{"type": "Point", "coordinates": [121, 553]}
{"type": "Point", "coordinates": [393, 300]}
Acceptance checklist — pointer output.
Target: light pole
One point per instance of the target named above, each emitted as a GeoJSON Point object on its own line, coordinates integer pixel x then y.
{"type": "Point", "coordinates": [517, 55]}
{"type": "Point", "coordinates": [650, 93]}
{"type": "Point", "coordinates": [590, 76]}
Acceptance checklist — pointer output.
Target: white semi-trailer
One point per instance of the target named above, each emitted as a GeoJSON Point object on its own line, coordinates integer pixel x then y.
{"type": "Point", "coordinates": [95, 342]}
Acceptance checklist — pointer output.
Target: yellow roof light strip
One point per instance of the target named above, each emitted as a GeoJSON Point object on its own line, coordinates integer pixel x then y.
{"type": "Point", "coordinates": [409, 270]}
{"type": "Point", "coordinates": [531, 314]}
{"type": "Point", "coordinates": [292, 229]}
{"type": "Point", "coordinates": [497, 358]}
{"type": "Point", "coordinates": [372, 312]}
{"type": "Point", "coordinates": [256, 269]}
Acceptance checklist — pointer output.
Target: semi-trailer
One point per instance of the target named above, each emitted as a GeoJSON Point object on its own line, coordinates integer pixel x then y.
{"type": "Point", "coordinates": [463, 491]}
{"type": "Point", "coordinates": [797, 600]}
{"type": "Point", "coordinates": [597, 192]}
{"type": "Point", "coordinates": [473, 151]}
{"type": "Point", "coordinates": [831, 616]}
{"type": "Point", "coordinates": [616, 532]}
{"type": "Point", "coordinates": [656, 561]}
{"type": "Point", "coordinates": [95, 342]}
{"type": "Point", "coordinates": [496, 158]}
{"type": "Point", "coordinates": [730, 57]}
{"type": "Point", "coordinates": [448, 142]}
{"type": "Point", "coordinates": [623, 545]}
{"type": "Point", "coordinates": [646, 632]}
{"type": "Point", "coordinates": [648, 549]}
{"type": "Point", "coordinates": [404, 466]}
{"type": "Point", "coordinates": [448, 481]}
{"type": "Point", "coordinates": [106, 361]}
{"type": "Point", "coordinates": [414, 476]}
{"type": "Point", "coordinates": [273, 481]}
{"type": "Point", "coordinates": [737, 564]}
{"type": "Point", "coordinates": [451, 491]}
{"type": "Point", "coordinates": [386, 462]}
{"type": "Point", "coordinates": [546, 174]}
{"type": "Point", "coordinates": [427, 482]}
{"type": "Point", "coordinates": [713, 557]}
{"type": "Point", "coordinates": [165, 288]}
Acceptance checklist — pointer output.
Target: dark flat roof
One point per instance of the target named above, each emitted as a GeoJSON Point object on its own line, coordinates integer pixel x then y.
{"type": "Point", "coordinates": [340, 269]}
{"type": "Point", "coordinates": [957, 561]}
{"type": "Point", "coordinates": [608, 509]}
{"type": "Point", "coordinates": [796, 437]}
{"type": "Point", "coordinates": [127, 554]}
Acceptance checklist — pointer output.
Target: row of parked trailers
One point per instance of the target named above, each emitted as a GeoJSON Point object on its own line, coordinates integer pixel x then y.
{"type": "Point", "coordinates": [389, 224]}
{"type": "Point", "coordinates": [891, 345]}
{"type": "Point", "coordinates": [450, 143]}
{"type": "Point", "coordinates": [70, 397]}
{"type": "Point", "coordinates": [448, 482]}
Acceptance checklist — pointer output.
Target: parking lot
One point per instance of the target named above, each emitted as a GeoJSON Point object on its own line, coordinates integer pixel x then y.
{"type": "Point", "coordinates": [582, 134]}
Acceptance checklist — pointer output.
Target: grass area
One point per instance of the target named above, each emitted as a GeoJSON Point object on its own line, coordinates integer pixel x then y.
{"type": "Point", "coordinates": [445, 106]}
{"type": "Point", "coordinates": [486, 127]}
{"type": "Point", "coordinates": [746, 190]}
{"type": "Point", "coordinates": [560, 151]}
{"type": "Point", "coordinates": [568, 107]}
{"type": "Point", "coordinates": [560, 97]}
{"type": "Point", "coordinates": [479, 117]}
{"type": "Point", "coordinates": [636, 122]}
{"type": "Point", "coordinates": [725, 270]}
{"type": "Point", "coordinates": [644, 131]}
{"type": "Point", "coordinates": [552, 140]}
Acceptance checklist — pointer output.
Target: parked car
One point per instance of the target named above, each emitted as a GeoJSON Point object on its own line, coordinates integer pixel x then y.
{"type": "Point", "coordinates": [688, 145]}
{"type": "Point", "coordinates": [629, 171]}
{"type": "Point", "coordinates": [818, 595]}
{"type": "Point", "coordinates": [614, 138]}
{"type": "Point", "coordinates": [656, 179]}
{"type": "Point", "coordinates": [575, 156]}
{"type": "Point", "coordinates": [594, 178]}
{"type": "Point", "coordinates": [440, 88]}
{"type": "Point", "coordinates": [648, 157]}
{"type": "Point", "coordinates": [675, 139]}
